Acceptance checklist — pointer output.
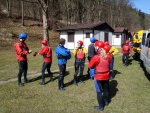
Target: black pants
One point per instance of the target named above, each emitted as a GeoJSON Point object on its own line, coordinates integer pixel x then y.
{"type": "Point", "coordinates": [89, 59]}
{"type": "Point", "coordinates": [23, 67]}
{"type": "Point", "coordinates": [125, 58]}
{"type": "Point", "coordinates": [46, 65]}
{"type": "Point", "coordinates": [78, 65]}
{"type": "Point", "coordinates": [62, 72]}
{"type": "Point", "coordinates": [102, 89]}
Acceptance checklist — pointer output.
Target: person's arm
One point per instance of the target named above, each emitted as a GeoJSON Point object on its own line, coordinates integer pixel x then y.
{"type": "Point", "coordinates": [94, 61]}
{"type": "Point", "coordinates": [85, 50]}
{"type": "Point", "coordinates": [113, 51]}
{"type": "Point", "coordinates": [20, 50]}
{"type": "Point", "coordinates": [74, 52]}
{"type": "Point", "coordinates": [42, 52]}
{"type": "Point", "coordinates": [130, 50]}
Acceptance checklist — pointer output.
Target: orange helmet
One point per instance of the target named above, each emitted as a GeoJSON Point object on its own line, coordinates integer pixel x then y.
{"type": "Point", "coordinates": [107, 48]}
{"type": "Point", "coordinates": [80, 42]}
{"type": "Point", "coordinates": [44, 42]}
{"type": "Point", "coordinates": [106, 43]}
{"type": "Point", "coordinates": [99, 44]}
{"type": "Point", "coordinates": [127, 41]}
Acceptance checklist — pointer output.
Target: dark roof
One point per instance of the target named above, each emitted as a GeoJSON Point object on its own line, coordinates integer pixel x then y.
{"type": "Point", "coordinates": [120, 29]}
{"type": "Point", "coordinates": [83, 26]}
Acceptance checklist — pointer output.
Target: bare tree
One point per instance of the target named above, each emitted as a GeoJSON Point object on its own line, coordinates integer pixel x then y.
{"type": "Point", "coordinates": [44, 6]}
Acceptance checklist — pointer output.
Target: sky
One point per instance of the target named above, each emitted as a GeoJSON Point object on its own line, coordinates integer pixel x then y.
{"type": "Point", "coordinates": [144, 5]}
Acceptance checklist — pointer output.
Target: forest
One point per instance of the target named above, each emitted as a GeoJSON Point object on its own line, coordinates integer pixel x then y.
{"type": "Point", "coordinates": [117, 13]}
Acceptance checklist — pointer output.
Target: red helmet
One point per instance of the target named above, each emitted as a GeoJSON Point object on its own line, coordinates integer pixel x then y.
{"type": "Point", "coordinates": [107, 48]}
{"type": "Point", "coordinates": [127, 41]}
{"type": "Point", "coordinates": [99, 44]}
{"type": "Point", "coordinates": [44, 42]}
{"type": "Point", "coordinates": [106, 43]}
{"type": "Point", "coordinates": [80, 42]}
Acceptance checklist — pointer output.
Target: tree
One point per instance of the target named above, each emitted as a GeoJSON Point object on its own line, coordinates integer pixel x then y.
{"type": "Point", "coordinates": [44, 6]}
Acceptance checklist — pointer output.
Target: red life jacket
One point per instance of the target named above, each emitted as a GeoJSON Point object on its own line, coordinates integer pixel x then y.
{"type": "Point", "coordinates": [49, 53]}
{"type": "Point", "coordinates": [126, 48]}
{"type": "Point", "coordinates": [103, 66]}
{"type": "Point", "coordinates": [80, 54]}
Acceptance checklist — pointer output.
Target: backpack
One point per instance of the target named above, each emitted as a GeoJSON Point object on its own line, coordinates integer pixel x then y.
{"type": "Point", "coordinates": [80, 54]}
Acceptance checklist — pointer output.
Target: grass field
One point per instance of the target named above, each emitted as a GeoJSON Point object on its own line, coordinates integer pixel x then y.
{"type": "Point", "coordinates": [129, 92]}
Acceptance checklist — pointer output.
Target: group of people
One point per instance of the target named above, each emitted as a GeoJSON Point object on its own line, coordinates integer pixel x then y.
{"type": "Point", "coordinates": [100, 57]}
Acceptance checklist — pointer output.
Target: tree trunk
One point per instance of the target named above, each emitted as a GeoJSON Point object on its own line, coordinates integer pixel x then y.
{"type": "Point", "coordinates": [45, 26]}
{"type": "Point", "coordinates": [8, 8]}
{"type": "Point", "coordinates": [22, 7]}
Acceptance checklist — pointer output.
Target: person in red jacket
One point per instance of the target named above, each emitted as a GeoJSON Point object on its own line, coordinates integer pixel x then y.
{"type": "Point", "coordinates": [101, 64]}
{"type": "Point", "coordinates": [126, 51]}
{"type": "Point", "coordinates": [22, 50]}
{"type": "Point", "coordinates": [46, 52]}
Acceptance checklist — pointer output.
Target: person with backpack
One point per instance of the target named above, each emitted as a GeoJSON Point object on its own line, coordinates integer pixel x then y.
{"type": "Point", "coordinates": [113, 51]}
{"type": "Point", "coordinates": [101, 63]}
{"type": "Point", "coordinates": [126, 51]}
{"type": "Point", "coordinates": [91, 52]}
{"type": "Point", "coordinates": [22, 50]}
{"type": "Point", "coordinates": [79, 54]}
{"type": "Point", "coordinates": [63, 54]}
{"type": "Point", "coordinates": [46, 52]}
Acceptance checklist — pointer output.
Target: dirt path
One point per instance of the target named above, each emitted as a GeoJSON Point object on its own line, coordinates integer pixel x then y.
{"type": "Point", "coordinates": [38, 74]}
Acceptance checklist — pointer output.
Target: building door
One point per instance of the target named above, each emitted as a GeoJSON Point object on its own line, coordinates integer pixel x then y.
{"type": "Point", "coordinates": [106, 37]}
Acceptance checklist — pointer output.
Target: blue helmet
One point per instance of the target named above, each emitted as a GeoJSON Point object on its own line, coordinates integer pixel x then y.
{"type": "Point", "coordinates": [23, 36]}
{"type": "Point", "coordinates": [92, 39]}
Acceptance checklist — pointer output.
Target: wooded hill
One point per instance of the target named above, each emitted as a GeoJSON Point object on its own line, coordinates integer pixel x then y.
{"type": "Point", "coordinates": [117, 13]}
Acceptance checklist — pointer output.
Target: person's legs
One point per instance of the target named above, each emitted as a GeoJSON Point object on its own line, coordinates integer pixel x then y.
{"type": "Point", "coordinates": [123, 58]}
{"type": "Point", "coordinates": [25, 71]}
{"type": "Point", "coordinates": [98, 87]}
{"type": "Point", "coordinates": [49, 72]}
{"type": "Point", "coordinates": [127, 58]}
{"type": "Point", "coordinates": [43, 73]}
{"type": "Point", "coordinates": [106, 92]}
{"type": "Point", "coordinates": [76, 72]}
{"type": "Point", "coordinates": [81, 71]}
{"type": "Point", "coordinates": [60, 79]}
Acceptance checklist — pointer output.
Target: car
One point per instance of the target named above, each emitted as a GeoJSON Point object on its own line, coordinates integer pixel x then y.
{"type": "Point", "coordinates": [145, 50]}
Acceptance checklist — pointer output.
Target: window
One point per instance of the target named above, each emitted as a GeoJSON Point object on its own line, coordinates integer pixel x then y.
{"type": "Point", "coordinates": [117, 35]}
{"type": "Point", "coordinates": [87, 35]}
{"type": "Point", "coordinates": [106, 37]}
{"type": "Point", "coordinates": [70, 36]}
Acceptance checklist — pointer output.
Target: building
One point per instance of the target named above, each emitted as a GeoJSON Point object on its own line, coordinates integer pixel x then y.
{"type": "Point", "coordinates": [72, 33]}
{"type": "Point", "coordinates": [119, 36]}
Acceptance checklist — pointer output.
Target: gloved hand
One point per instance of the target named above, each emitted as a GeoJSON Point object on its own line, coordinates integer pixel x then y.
{"type": "Point", "coordinates": [35, 54]}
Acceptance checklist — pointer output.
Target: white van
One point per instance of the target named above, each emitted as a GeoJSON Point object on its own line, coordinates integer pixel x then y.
{"type": "Point", "coordinates": [145, 50]}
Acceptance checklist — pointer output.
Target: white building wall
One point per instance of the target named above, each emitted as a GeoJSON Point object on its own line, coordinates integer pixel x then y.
{"type": "Point", "coordinates": [116, 41]}
{"type": "Point", "coordinates": [97, 34]}
{"type": "Point", "coordinates": [110, 38]}
{"type": "Point", "coordinates": [87, 40]}
{"type": "Point", "coordinates": [78, 36]}
{"type": "Point", "coordinates": [101, 36]}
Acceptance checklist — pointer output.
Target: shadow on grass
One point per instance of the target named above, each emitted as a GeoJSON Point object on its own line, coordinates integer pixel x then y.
{"type": "Point", "coordinates": [113, 75]}
{"type": "Point", "coordinates": [47, 76]}
{"type": "Point", "coordinates": [113, 88]}
{"type": "Point", "coordinates": [147, 75]}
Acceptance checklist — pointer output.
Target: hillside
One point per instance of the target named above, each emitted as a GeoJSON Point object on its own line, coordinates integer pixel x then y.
{"type": "Point", "coordinates": [10, 29]}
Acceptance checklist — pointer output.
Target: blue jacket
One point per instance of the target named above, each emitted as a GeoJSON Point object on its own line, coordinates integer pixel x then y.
{"type": "Point", "coordinates": [62, 54]}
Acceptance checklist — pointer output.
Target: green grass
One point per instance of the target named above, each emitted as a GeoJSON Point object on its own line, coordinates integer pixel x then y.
{"type": "Point", "coordinates": [129, 93]}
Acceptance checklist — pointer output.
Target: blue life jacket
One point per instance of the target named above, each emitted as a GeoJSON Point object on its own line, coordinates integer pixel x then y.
{"type": "Point", "coordinates": [62, 54]}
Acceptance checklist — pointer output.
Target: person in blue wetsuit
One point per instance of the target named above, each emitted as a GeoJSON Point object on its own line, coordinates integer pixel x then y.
{"type": "Point", "coordinates": [63, 54]}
